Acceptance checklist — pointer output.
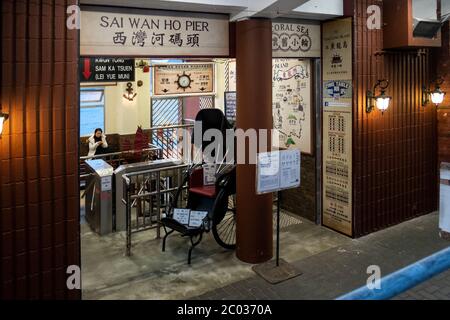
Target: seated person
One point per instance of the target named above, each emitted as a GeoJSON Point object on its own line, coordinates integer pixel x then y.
{"type": "Point", "coordinates": [97, 143]}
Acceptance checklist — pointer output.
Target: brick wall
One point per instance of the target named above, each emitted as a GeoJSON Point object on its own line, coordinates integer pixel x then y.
{"type": "Point", "coordinates": [395, 153]}
{"type": "Point", "coordinates": [302, 201]}
{"type": "Point", "coordinates": [38, 150]}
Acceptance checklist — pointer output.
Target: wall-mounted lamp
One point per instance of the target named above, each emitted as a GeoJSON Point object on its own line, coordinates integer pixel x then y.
{"type": "Point", "coordinates": [437, 95]}
{"type": "Point", "coordinates": [3, 118]}
{"type": "Point", "coordinates": [380, 101]}
{"type": "Point", "coordinates": [130, 94]}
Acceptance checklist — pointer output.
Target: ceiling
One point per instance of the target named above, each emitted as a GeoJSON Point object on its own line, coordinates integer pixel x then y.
{"type": "Point", "coordinates": [240, 9]}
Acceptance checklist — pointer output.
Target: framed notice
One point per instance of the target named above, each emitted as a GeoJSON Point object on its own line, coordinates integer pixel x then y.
{"type": "Point", "coordinates": [277, 170]}
{"type": "Point", "coordinates": [291, 103]}
{"type": "Point", "coordinates": [196, 218]}
{"type": "Point", "coordinates": [209, 174]}
{"type": "Point", "coordinates": [181, 215]}
{"type": "Point", "coordinates": [337, 126]}
{"type": "Point", "coordinates": [230, 105]}
{"type": "Point", "coordinates": [183, 79]}
{"type": "Point", "coordinates": [107, 31]}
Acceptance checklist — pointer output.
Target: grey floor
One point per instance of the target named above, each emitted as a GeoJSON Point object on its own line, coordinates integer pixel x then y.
{"type": "Point", "coordinates": [332, 264]}
{"type": "Point", "coordinates": [151, 274]}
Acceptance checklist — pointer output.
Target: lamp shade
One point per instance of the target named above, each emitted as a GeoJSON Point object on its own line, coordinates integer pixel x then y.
{"type": "Point", "coordinates": [3, 117]}
{"type": "Point", "coordinates": [382, 103]}
{"type": "Point", "coordinates": [437, 97]}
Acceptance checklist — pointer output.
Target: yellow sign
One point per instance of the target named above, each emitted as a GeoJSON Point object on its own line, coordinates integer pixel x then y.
{"type": "Point", "coordinates": [183, 79]}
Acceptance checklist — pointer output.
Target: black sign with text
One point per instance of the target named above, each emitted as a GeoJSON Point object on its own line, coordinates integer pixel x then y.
{"type": "Point", "coordinates": [230, 105]}
{"type": "Point", "coordinates": [106, 70]}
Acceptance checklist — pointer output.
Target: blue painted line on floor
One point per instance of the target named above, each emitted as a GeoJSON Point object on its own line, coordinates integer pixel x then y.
{"type": "Point", "coordinates": [404, 279]}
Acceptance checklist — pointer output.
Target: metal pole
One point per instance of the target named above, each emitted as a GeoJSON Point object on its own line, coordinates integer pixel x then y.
{"type": "Point", "coordinates": [278, 227]}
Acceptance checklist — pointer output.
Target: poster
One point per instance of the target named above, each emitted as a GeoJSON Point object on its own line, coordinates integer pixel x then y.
{"type": "Point", "coordinates": [291, 103]}
{"type": "Point", "coordinates": [299, 40]}
{"type": "Point", "coordinates": [337, 126]}
{"type": "Point", "coordinates": [181, 79]}
{"type": "Point", "coordinates": [138, 32]}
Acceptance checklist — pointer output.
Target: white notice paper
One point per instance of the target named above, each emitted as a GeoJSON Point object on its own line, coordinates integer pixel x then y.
{"type": "Point", "coordinates": [181, 215]}
{"type": "Point", "coordinates": [209, 174]}
{"type": "Point", "coordinates": [278, 170]}
{"type": "Point", "coordinates": [196, 218]}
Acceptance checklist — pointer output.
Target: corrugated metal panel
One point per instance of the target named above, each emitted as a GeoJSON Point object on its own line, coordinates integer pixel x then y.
{"type": "Point", "coordinates": [394, 161]}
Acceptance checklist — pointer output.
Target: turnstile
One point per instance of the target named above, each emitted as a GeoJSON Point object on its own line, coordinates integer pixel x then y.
{"type": "Point", "coordinates": [120, 208]}
{"type": "Point", "coordinates": [99, 196]}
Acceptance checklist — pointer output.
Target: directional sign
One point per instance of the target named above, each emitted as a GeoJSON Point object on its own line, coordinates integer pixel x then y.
{"type": "Point", "coordinates": [106, 70]}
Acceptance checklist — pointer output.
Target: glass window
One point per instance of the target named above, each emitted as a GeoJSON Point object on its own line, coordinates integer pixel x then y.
{"type": "Point", "coordinates": [92, 110]}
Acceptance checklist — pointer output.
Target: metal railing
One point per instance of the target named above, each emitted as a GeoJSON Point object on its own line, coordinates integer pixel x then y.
{"type": "Point", "coordinates": [165, 145]}
{"type": "Point", "coordinates": [148, 195]}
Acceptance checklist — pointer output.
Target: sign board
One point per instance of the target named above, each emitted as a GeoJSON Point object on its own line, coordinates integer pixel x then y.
{"type": "Point", "coordinates": [291, 103]}
{"type": "Point", "coordinates": [337, 126]}
{"type": "Point", "coordinates": [296, 40]}
{"type": "Point", "coordinates": [337, 50]}
{"type": "Point", "coordinates": [106, 183]}
{"type": "Point", "coordinates": [277, 170]}
{"type": "Point", "coordinates": [138, 32]}
{"type": "Point", "coordinates": [181, 215]}
{"type": "Point", "coordinates": [209, 174]}
{"type": "Point", "coordinates": [182, 79]}
{"type": "Point", "coordinates": [106, 70]}
{"type": "Point", "coordinates": [196, 218]}
{"type": "Point", "coordinates": [230, 105]}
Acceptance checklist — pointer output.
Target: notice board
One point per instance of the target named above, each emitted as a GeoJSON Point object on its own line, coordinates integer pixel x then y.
{"type": "Point", "coordinates": [337, 126]}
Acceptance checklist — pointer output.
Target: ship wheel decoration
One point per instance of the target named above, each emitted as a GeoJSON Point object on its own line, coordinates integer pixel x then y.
{"type": "Point", "coordinates": [184, 81]}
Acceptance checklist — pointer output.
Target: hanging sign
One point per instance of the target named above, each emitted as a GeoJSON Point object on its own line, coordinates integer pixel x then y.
{"type": "Point", "coordinates": [295, 40]}
{"type": "Point", "coordinates": [337, 126]}
{"type": "Point", "coordinates": [277, 170]}
{"type": "Point", "coordinates": [137, 32]}
{"type": "Point", "coordinates": [182, 79]}
{"type": "Point", "coordinates": [106, 70]}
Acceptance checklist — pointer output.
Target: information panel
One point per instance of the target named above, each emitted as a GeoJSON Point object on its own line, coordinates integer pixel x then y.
{"type": "Point", "coordinates": [277, 170]}
{"type": "Point", "coordinates": [337, 125]}
{"type": "Point", "coordinates": [106, 70]}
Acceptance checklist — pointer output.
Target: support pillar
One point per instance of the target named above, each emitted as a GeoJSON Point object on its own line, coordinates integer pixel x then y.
{"type": "Point", "coordinates": [254, 233]}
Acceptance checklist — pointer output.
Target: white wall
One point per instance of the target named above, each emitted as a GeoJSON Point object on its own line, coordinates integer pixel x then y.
{"type": "Point", "coordinates": [123, 116]}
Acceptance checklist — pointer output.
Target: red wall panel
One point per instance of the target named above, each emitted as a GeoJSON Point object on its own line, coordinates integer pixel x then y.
{"type": "Point", "coordinates": [38, 150]}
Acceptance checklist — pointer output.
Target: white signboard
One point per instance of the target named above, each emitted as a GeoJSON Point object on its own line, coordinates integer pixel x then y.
{"type": "Point", "coordinates": [277, 170]}
{"type": "Point", "coordinates": [136, 32]}
{"type": "Point", "coordinates": [106, 183]}
{"type": "Point", "coordinates": [196, 218]}
{"type": "Point", "coordinates": [297, 40]}
{"type": "Point", "coordinates": [181, 215]}
{"type": "Point", "coordinates": [209, 174]}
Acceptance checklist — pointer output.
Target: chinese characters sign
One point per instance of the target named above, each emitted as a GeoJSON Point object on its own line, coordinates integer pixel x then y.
{"type": "Point", "coordinates": [295, 40]}
{"type": "Point", "coordinates": [337, 50]}
{"type": "Point", "coordinates": [337, 126]}
{"type": "Point", "coordinates": [106, 70]}
{"type": "Point", "coordinates": [180, 79]}
{"type": "Point", "coordinates": [291, 103]}
{"type": "Point", "coordinates": [128, 32]}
